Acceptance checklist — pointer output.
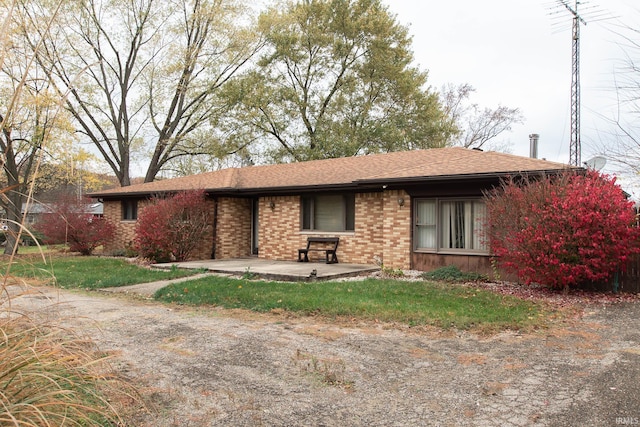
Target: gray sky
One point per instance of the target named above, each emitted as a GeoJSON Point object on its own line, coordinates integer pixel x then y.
{"type": "Point", "coordinates": [516, 54]}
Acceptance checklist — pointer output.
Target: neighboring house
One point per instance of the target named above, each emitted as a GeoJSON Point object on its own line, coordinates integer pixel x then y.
{"type": "Point", "coordinates": [35, 211]}
{"type": "Point", "coordinates": [411, 210]}
{"type": "Point", "coordinates": [32, 212]}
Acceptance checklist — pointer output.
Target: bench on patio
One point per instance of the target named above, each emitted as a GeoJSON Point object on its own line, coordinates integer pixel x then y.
{"type": "Point", "coordinates": [327, 244]}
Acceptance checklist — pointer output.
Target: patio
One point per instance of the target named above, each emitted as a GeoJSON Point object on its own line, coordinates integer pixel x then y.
{"type": "Point", "coordinates": [276, 270]}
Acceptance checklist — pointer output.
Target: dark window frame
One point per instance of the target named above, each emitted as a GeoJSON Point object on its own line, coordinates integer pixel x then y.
{"type": "Point", "coordinates": [129, 210]}
{"type": "Point", "coordinates": [310, 208]}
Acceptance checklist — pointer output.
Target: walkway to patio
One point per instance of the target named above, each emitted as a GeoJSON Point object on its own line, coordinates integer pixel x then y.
{"type": "Point", "coordinates": [276, 270]}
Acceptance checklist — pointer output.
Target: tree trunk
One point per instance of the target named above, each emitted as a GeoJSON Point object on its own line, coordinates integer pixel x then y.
{"type": "Point", "coordinates": [14, 215]}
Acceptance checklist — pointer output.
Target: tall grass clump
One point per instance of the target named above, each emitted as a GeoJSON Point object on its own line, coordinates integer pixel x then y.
{"type": "Point", "coordinates": [48, 378]}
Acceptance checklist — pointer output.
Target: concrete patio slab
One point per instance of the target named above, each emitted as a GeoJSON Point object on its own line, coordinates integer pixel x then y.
{"type": "Point", "coordinates": [276, 270]}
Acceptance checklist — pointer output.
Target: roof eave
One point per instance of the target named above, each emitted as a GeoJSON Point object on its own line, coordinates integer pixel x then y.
{"type": "Point", "coordinates": [357, 185]}
{"type": "Point", "coordinates": [458, 177]}
{"type": "Point", "coordinates": [150, 193]}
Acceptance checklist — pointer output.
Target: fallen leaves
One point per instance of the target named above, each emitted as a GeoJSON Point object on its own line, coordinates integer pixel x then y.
{"type": "Point", "coordinates": [556, 298]}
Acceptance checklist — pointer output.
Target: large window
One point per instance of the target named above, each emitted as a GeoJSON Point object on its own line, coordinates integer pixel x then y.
{"type": "Point", "coordinates": [443, 225]}
{"type": "Point", "coordinates": [129, 210]}
{"type": "Point", "coordinates": [328, 212]}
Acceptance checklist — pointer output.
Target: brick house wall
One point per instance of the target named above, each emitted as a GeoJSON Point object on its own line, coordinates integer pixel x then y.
{"type": "Point", "coordinates": [233, 239]}
{"type": "Point", "coordinates": [205, 247]}
{"type": "Point", "coordinates": [397, 229]}
{"type": "Point", "coordinates": [125, 229]}
{"type": "Point", "coordinates": [365, 246]}
{"type": "Point", "coordinates": [383, 230]}
{"type": "Point", "coordinates": [280, 234]}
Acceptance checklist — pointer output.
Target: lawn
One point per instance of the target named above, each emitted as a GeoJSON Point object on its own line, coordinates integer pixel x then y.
{"type": "Point", "coordinates": [411, 303]}
{"type": "Point", "coordinates": [88, 272]}
{"type": "Point", "coordinates": [420, 302]}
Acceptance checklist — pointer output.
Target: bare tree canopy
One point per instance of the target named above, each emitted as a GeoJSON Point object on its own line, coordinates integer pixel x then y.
{"type": "Point", "coordinates": [620, 143]}
{"type": "Point", "coordinates": [476, 125]}
{"type": "Point", "coordinates": [141, 76]}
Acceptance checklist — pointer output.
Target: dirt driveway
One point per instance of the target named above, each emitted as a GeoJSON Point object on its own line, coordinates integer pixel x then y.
{"type": "Point", "coordinates": [219, 368]}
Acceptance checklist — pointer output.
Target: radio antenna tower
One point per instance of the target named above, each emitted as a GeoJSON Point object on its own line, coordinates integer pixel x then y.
{"type": "Point", "coordinates": [575, 145]}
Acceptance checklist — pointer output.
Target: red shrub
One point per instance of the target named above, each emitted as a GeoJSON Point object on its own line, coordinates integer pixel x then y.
{"type": "Point", "coordinates": [70, 222]}
{"type": "Point", "coordinates": [563, 230]}
{"type": "Point", "coordinates": [169, 229]}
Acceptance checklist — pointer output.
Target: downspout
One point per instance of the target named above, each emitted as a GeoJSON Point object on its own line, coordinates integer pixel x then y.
{"type": "Point", "coordinates": [215, 227]}
{"type": "Point", "coordinates": [411, 228]}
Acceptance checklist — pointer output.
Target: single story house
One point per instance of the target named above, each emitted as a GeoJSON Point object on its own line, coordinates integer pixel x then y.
{"type": "Point", "coordinates": [411, 210]}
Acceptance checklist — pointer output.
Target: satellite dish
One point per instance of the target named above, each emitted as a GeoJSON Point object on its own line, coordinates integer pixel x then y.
{"type": "Point", "coordinates": [596, 163]}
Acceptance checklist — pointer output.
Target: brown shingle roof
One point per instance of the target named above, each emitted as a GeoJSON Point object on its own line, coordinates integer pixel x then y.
{"type": "Point", "coordinates": [348, 171]}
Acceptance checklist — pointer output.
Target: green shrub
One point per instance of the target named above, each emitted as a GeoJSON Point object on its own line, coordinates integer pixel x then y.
{"type": "Point", "coordinates": [37, 239]}
{"type": "Point", "coordinates": [390, 272]}
{"type": "Point", "coordinates": [452, 273]}
{"type": "Point", "coordinates": [128, 251]}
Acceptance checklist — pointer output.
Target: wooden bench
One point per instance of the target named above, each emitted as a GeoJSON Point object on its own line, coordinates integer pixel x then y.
{"type": "Point", "coordinates": [327, 244]}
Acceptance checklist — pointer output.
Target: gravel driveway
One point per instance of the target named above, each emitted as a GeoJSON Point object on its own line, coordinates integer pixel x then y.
{"type": "Point", "coordinates": [214, 367]}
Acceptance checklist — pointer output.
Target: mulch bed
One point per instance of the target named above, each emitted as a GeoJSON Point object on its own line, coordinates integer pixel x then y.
{"type": "Point", "coordinates": [558, 298]}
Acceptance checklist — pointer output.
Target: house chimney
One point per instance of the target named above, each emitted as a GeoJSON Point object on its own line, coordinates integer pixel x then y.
{"type": "Point", "coordinates": [533, 145]}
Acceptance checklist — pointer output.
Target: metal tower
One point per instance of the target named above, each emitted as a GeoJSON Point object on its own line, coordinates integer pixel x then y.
{"type": "Point", "coordinates": [574, 146]}
{"type": "Point", "coordinates": [593, 15]}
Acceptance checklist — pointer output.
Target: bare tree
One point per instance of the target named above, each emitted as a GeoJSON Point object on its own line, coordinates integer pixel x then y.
{"type": "Point", "coordinates": [139, 76]}
{"type": "Point", "coordinates": [620, 142]}
{"type": "Point", "coordinates": [28, 116]}
{"type": "Point", "coordinates": [476, 125]}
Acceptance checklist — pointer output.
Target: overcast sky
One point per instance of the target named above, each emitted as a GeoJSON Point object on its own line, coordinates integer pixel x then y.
{"type": "Point", "coordinates": [518, 55]}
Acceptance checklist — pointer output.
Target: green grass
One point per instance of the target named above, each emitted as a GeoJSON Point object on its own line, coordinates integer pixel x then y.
{"type": "Point", "coordinates": [35, 250]}
{"type": "Point", "coordinates": [90, 272]}
{"type": "Point", "coordinates": [412, 303]}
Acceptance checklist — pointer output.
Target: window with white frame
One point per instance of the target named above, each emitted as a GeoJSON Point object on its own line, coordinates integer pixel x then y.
{"type": "Point", "coordinates": [328, 212]}
{"type": "Point", "coordinates": [450, 225]}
